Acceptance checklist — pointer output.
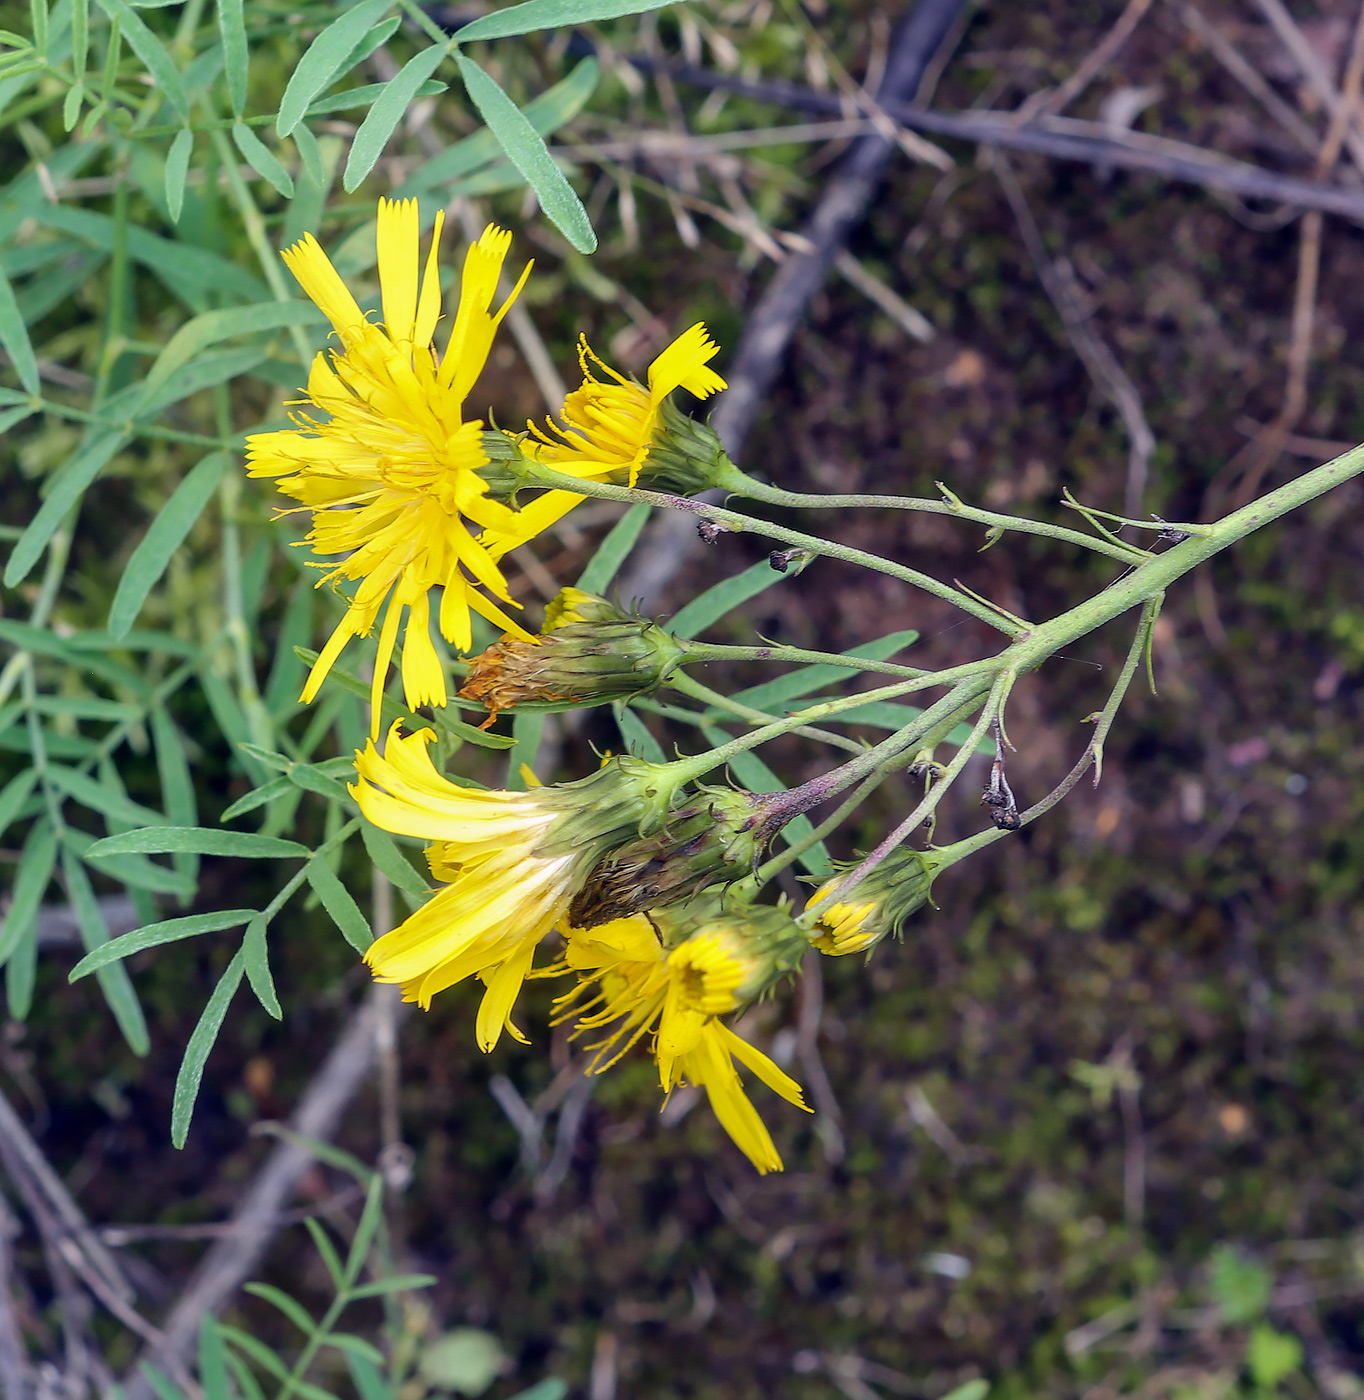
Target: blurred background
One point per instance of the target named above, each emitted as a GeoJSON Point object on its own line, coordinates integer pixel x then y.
{"type": "Point", "coordinates": [1093, 1128]}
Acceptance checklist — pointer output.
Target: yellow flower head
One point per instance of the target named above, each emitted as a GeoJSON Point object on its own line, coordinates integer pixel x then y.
{"type": "Point", "coordinates": [510, 863]}
{"type": "Point", "coordinates": [876, 906]}
{"type": "Point", "coordinates": [390, 472]}
{"type": "Point", "coordinates": [610, 425]}
{"type": "Point", "coordinates": [846, 928]}
{"type": "Point", "coordinates": [630, 982]}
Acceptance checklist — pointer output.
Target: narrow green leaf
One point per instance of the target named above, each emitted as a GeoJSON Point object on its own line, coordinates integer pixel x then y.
{"type": "Point", "coordinates": [371, 1217]}
{"type": "Point", "coordinates": [528, 153]}
{"type": "Point", "coordinates": [770, 695]}
{"type": "Point", "coordinates": [149, 49]}
{"type": "Point", "coordinates": [13, 796]}
{"type": "Point", "coordinates": [177, 171]}
{"type": "Point", "coordinates": [71, 106]}
{"type": "Point", "coordinates": [337, 901]}
{"type": "Point", "coordinates": [352, 1345]}
{"type": "Point", "coordinates": [236, 54]}
{"type": "Point", "coordinates": [9, 419]}
{"type": "Point", "coordinates": [399, 1283]}
{"type": "Point", "coordinates": [262, 159]}
{"type": "Point", "coordinates": [213, 326]}
{"type": "Point", "coordinates": [114, 981]}
{"type": "Point", "coordinates": [290, 1307]}
{"type": "Point", "coordinates": [370, 1381]}
{"type": "Point", "coordinates": [86, 707]}
{"type": "Point", "coordinates": [35, 870]}
{"type": "Point", "coordinates": [162, 1385]}
{"type": "Point", "coordinates": [445, 721]}
{"type": "Point", "coordinates": [527, 728]}
{"type": "Point", "coordinates": [68, 484]}
{"type": "Point", "coordinates": [38, 17]}
{"type": "Point", "coordinates": [972, 1390]}
{"type": "Point", "coordinates": [201, 1042]}
{"type": "Point", "coordinates": [550, 14]}
{"type": "Point", "coordinates": [164, 536]}
{"type": "Point", "coordinates": [387, 112]}
{"type": "Point", "coordinates": [306, 776]}
{"type": "Point", "coordinates": [153, 935]}
{"type": "Point", "coordinates": [109, 803]}
{"type": "Point", "coordinates": [366, 96]}
{"type": "Point", "coordinates": [204, 841]}
{"type": "Point", "coordinates": [80, 37]}
{"type": "Point", "coordinates": [324, 59]}
{"type": "Point", "coordinates": [258, 797]}
{"type": "Point", "coordinates": [137, 872]}
{"type": "Point", "coordinates": [14, 337]}
{"type": "Point", "coordinates": [326, 1249]}
{"type": "Point", "coordinates": [614, 549]}
{"type": "Point", "coordinates": [172, 766]}
{"type": "Point", "coordinates": [213, 1372]}
{"type": "Point", "coordinates": [256, 955]}
{"type": "Point", "coordinates": [313, 176]}
{"type": "Point", "coordinates": [287, 673]}
{"type": "Point", "coordinates": [383, 851]}
{"type": "Point", "coordinates": [710, 606]}
{"type": "Point", "coordinates": [547, 113]}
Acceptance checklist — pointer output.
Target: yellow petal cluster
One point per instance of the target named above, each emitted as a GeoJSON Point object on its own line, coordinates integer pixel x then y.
{"type": "Point", "coordinates": [509, 862]}
{"type": "Point", "coordinates": [390, 472]}
{"type": "Point", "coordinates": [630, 983]}
{"type": "Point", "coordinates": [607, 424]}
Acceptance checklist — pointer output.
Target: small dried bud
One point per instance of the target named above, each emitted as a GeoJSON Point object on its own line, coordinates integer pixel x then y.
{"type": "Point", "coordinates": [710, 841]}
{"type": "Point", "coordinates": [877, 906]}
{"type": "Point", "coordinates": [590, 654]}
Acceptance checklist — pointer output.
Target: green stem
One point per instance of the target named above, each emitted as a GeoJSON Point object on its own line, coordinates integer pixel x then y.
{"type": "Point", "coordinates": [680, 681]}
{"type": "Point", "coordinates": [688, 769]}
{"type": "Point", "coordinates": [992, 708]}
{"type": "Point", "coordinates": [537, 475]}
{"type": "Point", "coordinates": [1094, 750]}
{"type": "Point", "coordinates": [706, 651]}
{"type": "Point", "coordinates": [741, 484]}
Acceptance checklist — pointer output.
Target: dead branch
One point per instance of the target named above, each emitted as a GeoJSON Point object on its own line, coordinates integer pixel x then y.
{"type": "Point", "coordinates": [773, 321]}
{"type": "Point", "coordinates": [1065, 138]}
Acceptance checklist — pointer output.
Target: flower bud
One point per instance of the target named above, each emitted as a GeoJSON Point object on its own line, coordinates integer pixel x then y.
{"type": "Point", "coordinates": [877, 906]}
{"type": "Point", "coordinates": [589, 654]}
{"type": "Point", "coordinates": [719, 959]}
{"type": "Point", "coordinates": [712, 840]}
{"type": "Point", "coordinates": [685, 457]}
{"type": "Point", "coordinates": [503, 451]}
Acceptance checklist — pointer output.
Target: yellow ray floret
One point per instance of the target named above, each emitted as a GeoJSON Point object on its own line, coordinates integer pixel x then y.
{"type": "Point", "coordinates": [389, 464]}
{"type": "Point", "coordinates": [509, 862]}
{"type": "Point", "coordinates": [608, 424]}
{"type": "Point", "coordinates": [631, 984]}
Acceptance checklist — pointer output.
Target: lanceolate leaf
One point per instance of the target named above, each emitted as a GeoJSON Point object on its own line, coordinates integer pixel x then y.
{"type": "Point", "coordinates": [527, 151]}
{"type": "Point", "coordinates": [35, 869]}
{"type": "Point", "coordinates": [165, 535]}
{"type": "Point", "coordinates": [710, 606]}
{"type": "Point", "coordinates": [611, 552]}
{"type": "Point", "coordinates": [177, 171]}
{"type": "Point", "coordinates": [114, 981]}
{"type": "Point", "coordinates": [324, 59]}
{"type": "Point", "coordinates": [14, 337]}
{"type": "Point", "coordinates": [201, 1042]}
{"type": "Point", "coordinates": [149, 49]}
{"type": "Point", "coordinates": [262, 159]}
{"type": "Point", "coordinates": [68, 485]}
{"type": "Point", "coordinates": [153, 935]}
{"type": "Point", "coordinates": [550, 14]}
{"type": "Point", "coordinates": [236, 55]}
{"type": "Point", "coordinates": [204, 841]}
{"type": "Point", "coordinates": [387, 112]}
